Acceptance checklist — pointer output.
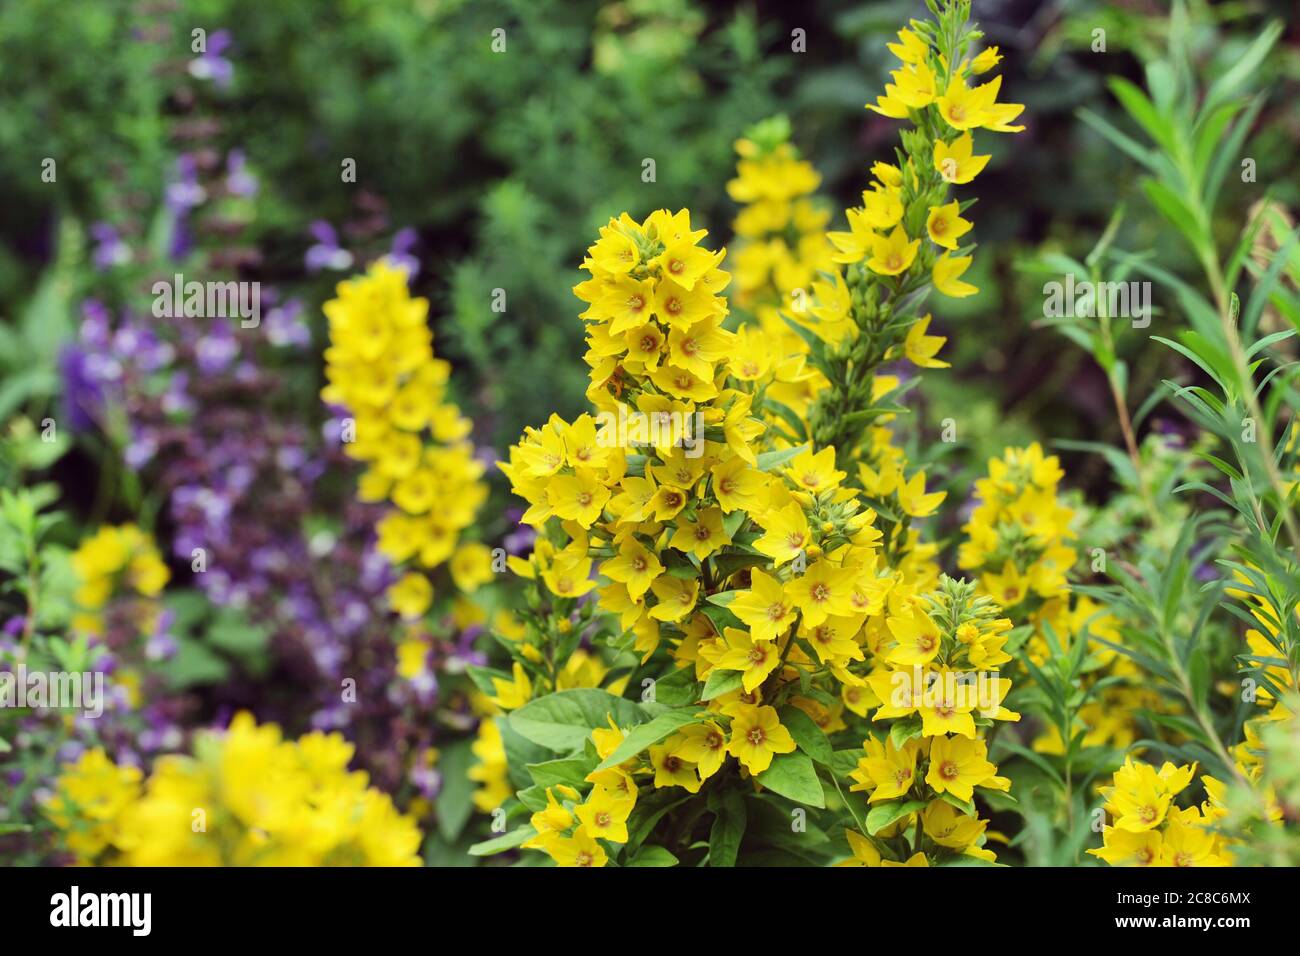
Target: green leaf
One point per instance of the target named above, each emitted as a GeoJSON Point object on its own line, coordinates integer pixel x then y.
{"type": "Point", "coordinates": [883, 814]}
{"type": "Point", "coordinates": [807, 735]}
{"type": "Point", "coordinates": [567, 770]}
{"type": "Point", "coordinates": [721, 617]}
{"type": "Point", "coordinates": [721, 682]}
{"type": "Point", "coordinates": [904, 730]}
{"type": "Point", "coordinates": [1142, 110]}
{"type": "Point", "coordinates": [507, 841]}
{"type": "Point", "coordinates": [794, 776]}
{"type": "Point", "coordinates": [1238, 75]}
{"type": "Point", "coordinates": [770, 460]}
{"type": "Point", "coordinates": [642, 737]}
{"type": "Point", "coordinates": [564, 720]}
{"type": "Point", "coordinates": [653, 856]}
{"type": "Point", "coordinates": [678, 688]}
{"type": "Point", "coordinates": [728, 829]}
{"type": "Point", "coordinates": [456, 799]}
{"type": "Point", "coordinates": [482, 678]}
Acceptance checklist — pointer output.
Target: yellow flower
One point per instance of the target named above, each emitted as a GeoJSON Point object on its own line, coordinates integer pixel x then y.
{"type": "Point", "coordinates": [605, 816]}
{"type": "Point", "coordinates": [700, 537]}
{"type": "Point", "coordinates": [578, 497]}
{"type": "Point", "coordinates": [911, 48]}
{"type": "Point", "coordinates": [764, 607]}
{"type": "Point", "coordinates": [676, 597]}
{"type": "Point", "coordinates": [786, 536]}
{"type": "Point", "coordinates": [411, 595]}
{"type": "Point", "coordinates": [947, 276]}
{"type": "Point", "coordinates": [945, 224]}
{"type": "Point", "coordinates": [892, 254]}
{"type": "Point", "coordinates": [755, 659]}
{"type": "Point", "coordinates": [955, 161]}
{"type": "Point", "coordinates": [412, 657]}
{"type": "Point", "coordinates": [920, 348]}
{"type": "Point", "coordinates": [889, 773]}
{"type": "Point", "coordinates": [704, 745]}
{"type": "Point", "coordinates": [918, 639]}
{"type": "Point", "coordinates": [815, 473]}
{"type": "Point", "coordinates": [958, 765]}
{"type": "Point", "coordinates": [757, 735]}
{"type": "Point", "coordinates": [737, 485]}
{"type": "Point", "coordinates": [823, 591]}
{"type": "Point", "coordinates": [672, 770]}
{"type": "Point", "coordinates": [581, 850]}
{"type": "Point", "coordinates": [635, 566]}
{"type": "Point", "coordinates": [511, 694]}
{"type": "Point", "coordinates": [988, 58]}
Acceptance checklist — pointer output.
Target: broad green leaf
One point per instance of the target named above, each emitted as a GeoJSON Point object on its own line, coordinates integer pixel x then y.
{"type": "Point", "coordinates": [564, 720]}
{"type": "Point", "coordinates": [883, 814]}
{"type": "Point", "coordinates": [807, 735]}
{"type": "Point", "coordinates": [653, 856]}
{"type": "Point", "coordinates": [728, 829]}
{"type": "Point", "coordinates": [719, 683]}
{"type": "Point", "coordinates": [645, 735]}
{"type": "Point", "coordinates": [794, 776]}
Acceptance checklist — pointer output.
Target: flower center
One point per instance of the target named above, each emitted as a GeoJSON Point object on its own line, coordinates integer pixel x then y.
{"type": "Point", "coordinates": [755, 736]}
{"type": "Point", "coordinates": [948, 770]}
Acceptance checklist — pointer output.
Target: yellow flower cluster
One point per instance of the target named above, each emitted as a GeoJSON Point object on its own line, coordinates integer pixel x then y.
{"type": "Point", "coordinates": [1017, 538]}
{"type": "Point", "coordinates": [1148, 829]}
{"type": "Point", "coordinates": [936, 678]}
{"type": "Point", "coordinates": [380, 366]}
{"type": "Point", "coordinates": [736, 513]}
{"type": "Point", "coordinates": [246, 798]}
{"type": "Point", "coordinates": [757, 568]}
{"type": "Point", "coordinates": [780, 230]}
{"type": "Point", "coordinates": [113, 561]}
{"type": "Point", "coordinates": [906, 205]}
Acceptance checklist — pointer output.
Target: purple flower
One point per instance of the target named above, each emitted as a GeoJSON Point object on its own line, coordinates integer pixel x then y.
{"type": "Point", "coordinates": [326, 253]}
{"type": "Point", "coordinates": [400, 255]}
{"type": "Point", "coordinates": [284, 326]}
{"type": "Point", "coordinates": [239, 180]}
{"type": "Point", "coordinates": [110, 250]}
{"type": "Point", "coordinates": [216, 350]}
{"type": "Point", "coordinates": [210, 64]}
{"type": "Point", "coordinates": [83, 398]}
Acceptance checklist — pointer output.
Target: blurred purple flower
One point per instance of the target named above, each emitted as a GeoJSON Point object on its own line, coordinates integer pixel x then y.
{"type": "Point", "coordinates": [326, 253]}
{"type": "Point", "coordinates": [400, 255]}
{"type": "Point", "coordinates": [239, 180]}
{"type": "Point", "coordinates": [210, 64]}
{"type": "Point", "coordinates": [110, 250]}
